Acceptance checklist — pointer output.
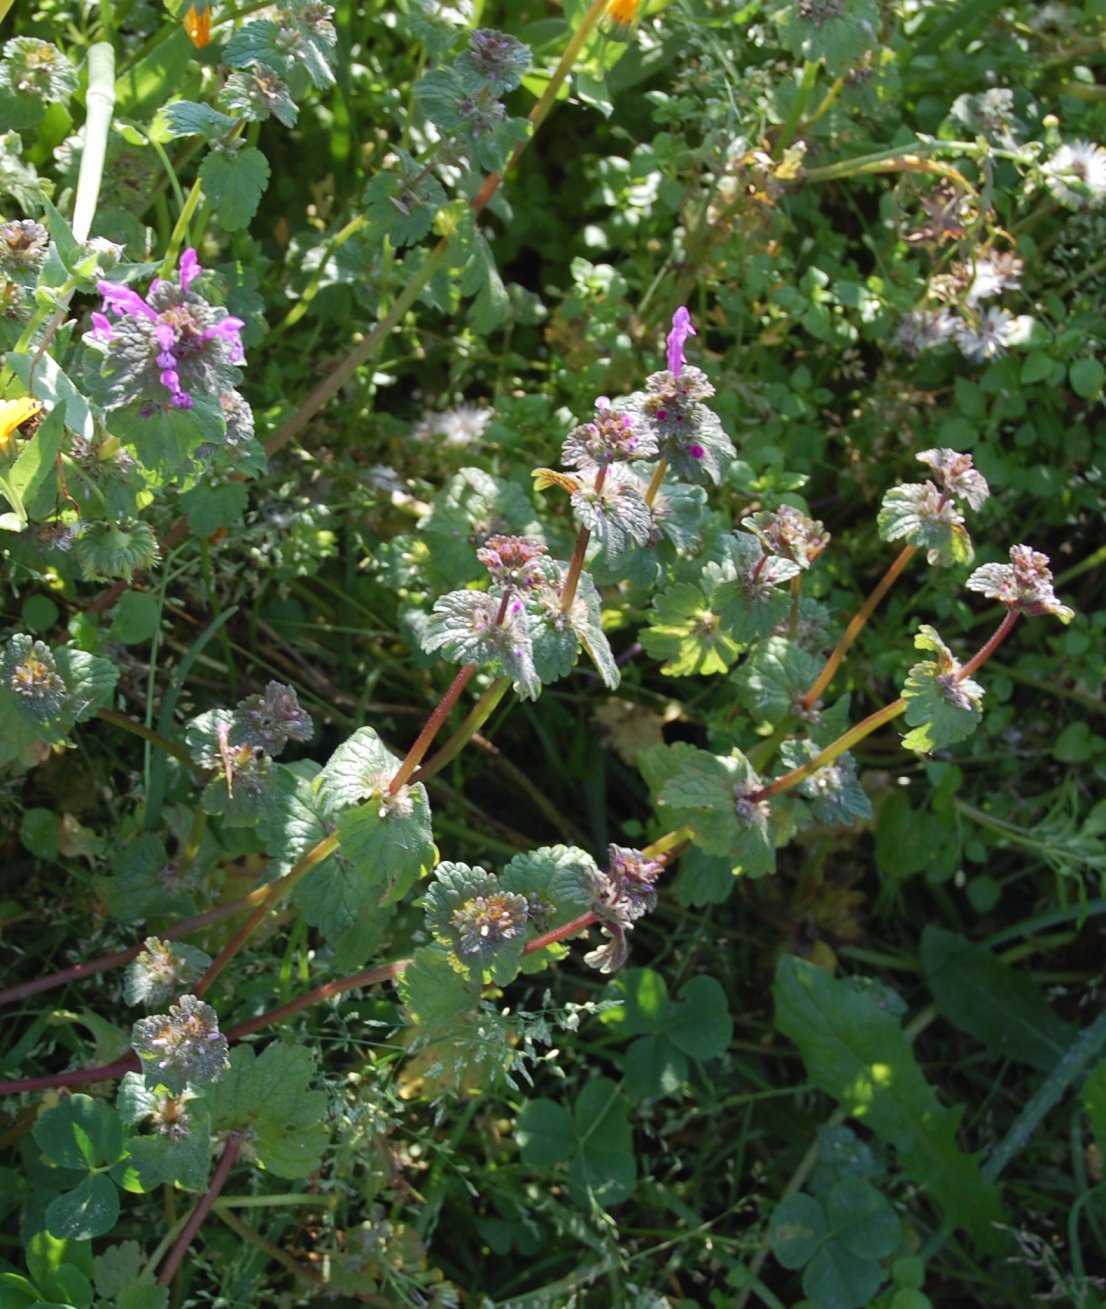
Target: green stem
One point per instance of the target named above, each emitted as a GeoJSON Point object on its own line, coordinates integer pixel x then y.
{"type": "Point", "coordinates": [180, 230]}
{"type": "Point", "coordinates": [99, 107]}
{"type": "Point", "coordinates": [311, 290]}
{"type": "Point", "coordinates": [148, 734]}
{"type": "Point", "coordinates": [1083, 1049]}
{"type": "Point", "coordinates": [656, 481]}
{"type": "Point", "coordinates": [478, 715]}
{"type": "Point", "coordinates": [856, 625]}
{"type": "Point", "coordinates": [798, 105]}
{"type": "Point", "coordinates": [844, 742]}
{"type": "Point", "coordinates": [276, 892]}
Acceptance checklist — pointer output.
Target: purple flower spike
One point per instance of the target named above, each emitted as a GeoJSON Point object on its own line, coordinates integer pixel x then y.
{"type": "Point", "coordinates": [681, 330]}
{"type": "Point", "coordinates": [189, 268]}
{"type": "Point", "coordinates": [122, 300]}
{"type": "Point", "coordinates": [229, 329]}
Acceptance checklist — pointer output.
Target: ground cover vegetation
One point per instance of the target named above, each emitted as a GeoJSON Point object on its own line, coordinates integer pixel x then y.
{"type": "Point", "coordinates": [552, 734]}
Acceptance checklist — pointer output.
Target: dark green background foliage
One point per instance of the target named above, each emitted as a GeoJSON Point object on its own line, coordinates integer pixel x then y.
{"type": "Point", "coordinates": [854, 1058]}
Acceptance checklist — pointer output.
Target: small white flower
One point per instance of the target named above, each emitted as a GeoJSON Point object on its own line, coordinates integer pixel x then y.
{"type": "Point", "coordinates": [1076, 174]}
{"type": "Point", "coordinates": [463, 425]}
{"type": "Point", "coordinates": [988, 338]}
{"type": "Point", "coordinates": [923, 329]}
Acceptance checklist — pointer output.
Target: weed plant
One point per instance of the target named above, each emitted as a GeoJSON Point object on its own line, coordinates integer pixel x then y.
{"type": "Point", "coordinates": [490, 819]}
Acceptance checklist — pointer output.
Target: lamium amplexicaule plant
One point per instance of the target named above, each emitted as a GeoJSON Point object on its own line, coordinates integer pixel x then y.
{"type": "Point", "coordinates": [318, 988]}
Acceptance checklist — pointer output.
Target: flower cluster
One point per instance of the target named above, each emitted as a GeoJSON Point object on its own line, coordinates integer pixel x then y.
{"type": "Point", "coordinates": [184, 1045]}
{"type": "Point", "coordinates": [611, 437]}
{"type": "Point", "coordinates": [956, 475]}
{"type": "Point", "coordinates": [622, 895]}
{"type": "Point", "coordinates": [1024, 585]}
{"type": "Point", "coordinates": [161, 970]}
{"type": "Point", "coordinates": [513, 561]}
{"type": "Point", "coordinates": [485, 920]}
{"type": "Point", "coordinates": [162, 348]}
{"type": "Point", "coordinates": [37, 69]}
{"type": "Point", "coordinates": [28, 669]}
{"type": "Point", "coordinates": [790, 533]}
{"type": "Point", "coordinates": [268, 722]}
{"type": "Point", "coordinates": [979, 333]}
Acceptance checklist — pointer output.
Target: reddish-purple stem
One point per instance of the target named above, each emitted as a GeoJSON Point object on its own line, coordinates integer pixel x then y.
{"type": "Point", "coordinates": [176, 1255]}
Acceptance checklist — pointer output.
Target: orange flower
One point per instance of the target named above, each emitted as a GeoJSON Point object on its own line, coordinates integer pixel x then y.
{"type": "Point", "coordinates": [197, 23]}
{"type": "Point", "coordinates": [622, 16]}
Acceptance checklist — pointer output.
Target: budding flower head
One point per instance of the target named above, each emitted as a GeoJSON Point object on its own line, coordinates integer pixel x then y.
{"type": "Point", "coordinates": [956, 475]}
{"type": "Point", "coordinates": [513, 561]}
{"type": "Point", "coordinates": [788, 532]}
{"type": "Point", "coordinates": [161, 970]}
{"type": "Point", "coordinates": [268, 722]}
{"type": "Point", "coordinates": [611, 437]}
{"type": "Point", "coordinates": [485, 920]}
{"type": "Point", "coordinates": [1024, 585]}
{"type": "Point", "coordinates": [496, 58]}
{"type": "Point", "coordinates": [184, 1045]}
{"type": "Point", "coordinates": [28, 668]}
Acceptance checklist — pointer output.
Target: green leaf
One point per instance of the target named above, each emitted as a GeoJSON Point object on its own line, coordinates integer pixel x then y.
{"type": "Point", "coordinates": [234, 184]}
{"type": "Point", "coordinates": [188, 118]}
{"type": "Point", "coordinates": [1086, 377]}
{"type": "Point", "coordinates": [834, 791]}
{"type": "Point", "coordinates": [745, 588]}
{"type": "Point", "coordinates": [267, 1097]}
{"type": "Point", "coordinates": [80, 1132]}
{"type": "Point", "coordinates": [390, 843]}
{"type": "Point", "coordinates": [708, 794]}
{"type": "Point", "coordinates": [90, 1209]}
{"type": "Point", "coordinates": [836, 31]}
{"type": "Point", "coordinates": [259, 41]}
{"type": "Point", "coordinates": [774, 679]}
{"type": "Point", "coordinates": [941, 706]}
{"type": "Point", "coordinates": [481, 279]}
{"type": "Point", "coordinates": [38, 459]}
{"type": "Point", "coordinates": [687, 634]}
{"type": "Point", "coordinates": [596, 1140]}
{"type": "Point", "coordinates": [862, 1220]}
{"type": "Point", "coordinates": [545, 1133]}
{"type": "Point", "coordinates": [209, 508]}
{"type": "Point", "coordinates": [999, 1005]}
{"type": "Point", "coordinates": [361, 768]}
{"type": "Point", "coordinates": [698, 1025]}
{"type": "Point", "coordinates": [403, 205]}
{"type": "Point", "coordinates": [1094, 1103]}
{"type": "Point", "coordinates": [483, 925]}
{"type": "Point", "coordinates": [836, 1278]}
{"type": "Point", "coordinates": [856, 1052]}
{"type": "Point", "coordinates": [434, 992]}
{"type": "Point", "coordinates": [137, 617]}
{"type": "Point", "coordinates": [796, 1230]}
{"type": "Point", "coordinates": [296, 821]}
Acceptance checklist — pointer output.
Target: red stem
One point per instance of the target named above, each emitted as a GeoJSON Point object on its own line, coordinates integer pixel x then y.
{"type": "Point", "coordinates": [433, 724]}
{"type": "Point", "coordinates": [176, 1255]}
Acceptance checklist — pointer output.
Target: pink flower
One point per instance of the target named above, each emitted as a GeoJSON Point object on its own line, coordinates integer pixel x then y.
{"type": "Point", "coordinates": [681, 330]}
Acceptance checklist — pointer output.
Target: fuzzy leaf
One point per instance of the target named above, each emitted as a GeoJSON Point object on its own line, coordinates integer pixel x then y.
{"type": "Point", "coordinates": [941, 706]}
{"type": "Point", "coordinates": [836, 796]}
{"type": "Point", "coordinates": [296, 820]}
{"type": "Point", "coordinates": [837, 31]}
{"type": "Point", "coordinates": [685, 632]}
{"type": "Point", "coordinates": [187, 118]}
{"type": "Point", "coordinates": [267, 1096]}
{"type": "Point", "coordinates": [433, 992]}
{"type": "Point", "coordinates": [403, 205]}
{"type": "Point", "coordinates": [482, 924]}
{"type": "Point", "coordinates": [473, 506]}
{"type": "Point", "coordinates": [361, 768]}
{"type": "Point", "coordinates": [234, 183]}
{"type": "Point", "coordinates": [390, 841]}
{"type": "Point", "coordinates": [586, 617]}
{"type": "Point", "coordinates": [856, 1052]}
{"type": "Point", "coordinates": [744, 587]}
{"type": "Point", "coordinates": [258, 42]}
{"type": "Point", "coordinates": [709, 794]}
{"type": "Point", "coordinates": [918, 514]}
{"type": "Point", "coordinates": [775, 677]}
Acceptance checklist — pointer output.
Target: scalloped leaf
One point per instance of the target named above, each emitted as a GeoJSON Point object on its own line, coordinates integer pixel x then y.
{"type": "Point", "coordinates": [687, 634]}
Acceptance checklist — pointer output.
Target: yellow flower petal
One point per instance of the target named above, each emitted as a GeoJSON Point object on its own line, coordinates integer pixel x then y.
{"type": "Point", "coordinates": [13, 413]}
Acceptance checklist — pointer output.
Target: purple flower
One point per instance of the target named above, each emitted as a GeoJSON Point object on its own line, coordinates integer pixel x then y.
{"type": "Point", "coordinates": [177, 323]}
{"type": "Point", "coordinates": [681, 330]}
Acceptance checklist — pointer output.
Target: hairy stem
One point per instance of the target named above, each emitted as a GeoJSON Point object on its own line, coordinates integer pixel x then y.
{"type": "Point", "coordinates": [431, 729]}
{"type": "Point", "coordinates": [478, 715]}
{"type": "Point", "coordinates": [857, 625]}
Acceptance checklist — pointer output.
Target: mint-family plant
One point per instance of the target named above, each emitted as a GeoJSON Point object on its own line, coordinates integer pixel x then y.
{"type": "Point", "coordinates": [344, 972]}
